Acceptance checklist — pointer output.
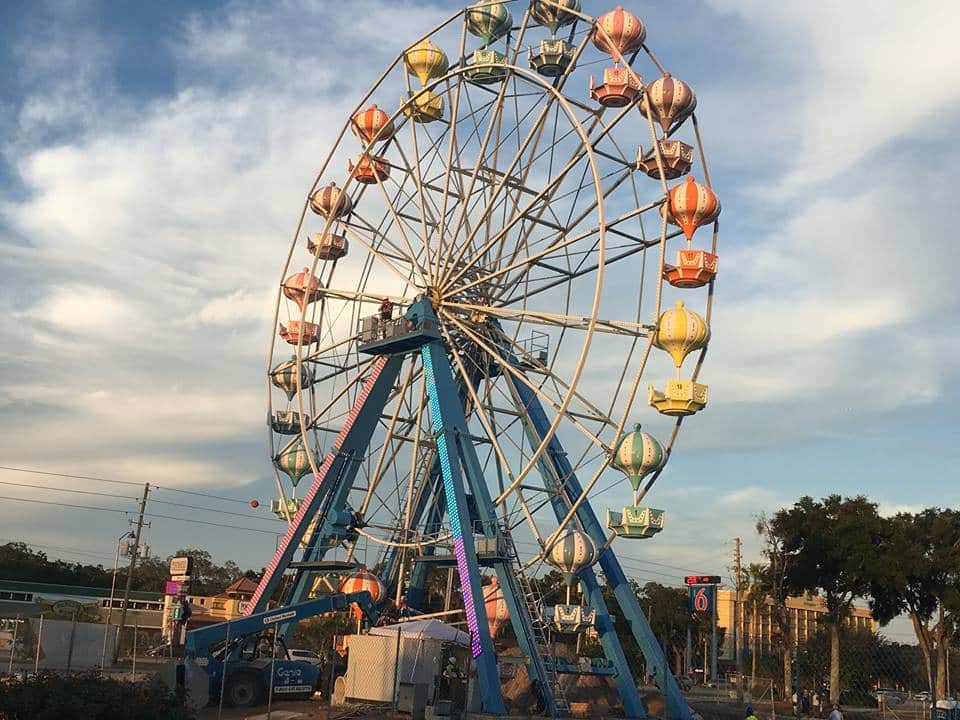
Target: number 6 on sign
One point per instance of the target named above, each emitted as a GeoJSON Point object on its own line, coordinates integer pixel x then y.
{"type": "Point", "coordinates": [701, 599]}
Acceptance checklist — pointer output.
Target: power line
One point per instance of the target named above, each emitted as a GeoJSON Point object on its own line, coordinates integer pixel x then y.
{"type": "Point", "coordinates": [215, 510]}
{"type": "Point", "coordinates": [130, 512]}
{"type": "Point", "coordinates": [60, 504]}
{"type": "Point", "coordinates": [66, 475]}
{"type": "Point", "coordinates": [118, 482]}
{"type": "Point", "coordinates": [200, 494]}
{"type": "Point", "coordinates": [70, 490]}
{"type": "Point", "coordinates": [130, 497]}
{"type": "Point", "coordinates": [204, 522]}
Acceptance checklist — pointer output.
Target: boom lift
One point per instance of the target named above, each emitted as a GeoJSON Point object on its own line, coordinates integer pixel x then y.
{"type": "Point", "coordinates": [242, 651]}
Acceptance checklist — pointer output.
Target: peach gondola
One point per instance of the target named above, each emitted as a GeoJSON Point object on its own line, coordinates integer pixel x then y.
{"type": "Point", "coordinates": [495, 605]}
{"type": "Point", "coordinates": [694, 268]}
{"type": "Point", "coordinates": [372, 125]}
{"type": "Point", "coordinates": [303, 288]}
{"type": "Point", "coordinates": [331, 201]}
{"type": "Point", "coordinates": [672, 100]}
{"type": "Point", "coordinates": [360, 581]}
{"type": "Point", "coordinates": [619, 32]}
{"type": "Point", "coordinates": [620, 87]}
{"type": "Point", "coordinates": [369, 169]}
{"type": "Point", "coordinates": [676, 156]}
{"type": "Point", "coordinates": [293, 334]}
{"type": "Point", "coordinates": [327, 246]}
{"type": "Point", "coordinates": [692, 205]}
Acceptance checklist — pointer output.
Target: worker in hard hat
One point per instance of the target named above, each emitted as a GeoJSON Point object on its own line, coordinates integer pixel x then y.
{"type": "Point", "coordinates": [450, 676]}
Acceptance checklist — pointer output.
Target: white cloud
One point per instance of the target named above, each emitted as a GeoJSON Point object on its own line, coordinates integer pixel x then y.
{"type": "Point", "coordinates": [147, 243]}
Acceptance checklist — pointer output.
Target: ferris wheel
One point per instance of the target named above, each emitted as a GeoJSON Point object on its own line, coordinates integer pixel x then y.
{"type": "Point", "coordinates": [490, 287]}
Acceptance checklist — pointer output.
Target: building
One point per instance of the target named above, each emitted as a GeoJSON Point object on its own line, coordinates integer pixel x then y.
{"type": "Point", "coordinates": [20, 600]}
{"type": "Point", "coordinates": [803, 612]}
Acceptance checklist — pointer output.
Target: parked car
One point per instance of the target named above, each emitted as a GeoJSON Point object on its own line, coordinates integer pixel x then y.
{"type": "Point", "coordinates": [888, 696]}
{"type": "Point", "coordinates": [922, 696]}
{"type": "Point", "coordinates": [306, 655]}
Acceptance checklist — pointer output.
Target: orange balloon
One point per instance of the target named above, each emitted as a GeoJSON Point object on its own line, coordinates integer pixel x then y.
{"type": "Point", "coordinates": [692, 205]}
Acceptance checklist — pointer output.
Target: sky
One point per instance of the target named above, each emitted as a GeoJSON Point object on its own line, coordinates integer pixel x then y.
{"type": "Point", "coordinates": [152, 165]}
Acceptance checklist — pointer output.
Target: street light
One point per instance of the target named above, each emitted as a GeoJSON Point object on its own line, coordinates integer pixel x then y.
{"type": "Point", "coordinates": [113, 585]}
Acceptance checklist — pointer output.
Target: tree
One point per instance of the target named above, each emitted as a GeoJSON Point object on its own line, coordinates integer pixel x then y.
{"type": "Point", "coordinates": [19, 562]}
{"type": "Point", "coordinates": [773, 585]}
{"type": "Point", "coordinates": [831, 546]}
{"type": "Point", "coordinates": [918, 573]}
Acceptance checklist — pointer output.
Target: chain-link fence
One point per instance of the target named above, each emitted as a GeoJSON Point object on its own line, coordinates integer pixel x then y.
{"type": "Point", "coordinates": [873, 676]}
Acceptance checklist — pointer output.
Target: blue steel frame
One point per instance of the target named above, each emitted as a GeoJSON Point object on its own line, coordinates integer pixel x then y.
{"type": "Point", "coordinates": [456, 469]}
{"type": "Point", "coordinates": [538, 425]}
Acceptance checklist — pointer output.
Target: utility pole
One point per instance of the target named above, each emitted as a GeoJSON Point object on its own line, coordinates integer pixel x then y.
{"type": "Point", "coordinates": [133, 565]}
{"type": "Point", "coordinates": [737, 630]}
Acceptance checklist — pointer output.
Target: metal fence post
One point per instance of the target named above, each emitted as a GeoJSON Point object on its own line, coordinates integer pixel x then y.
{"type": "Point", "coordinates": [223, 673]}
{"type": "Point", "coordinates": [796, 680]}
{"type": "Point", "coordinates": [396, 671]}
{"type": "Point", "coordinates": [73, 636]}
{"type": "Point", "coordinates": [133, 670]}
{"type": "Point", "coordinates": [36, 660]}
{"type": "Point", "coordinates": [13, 645]}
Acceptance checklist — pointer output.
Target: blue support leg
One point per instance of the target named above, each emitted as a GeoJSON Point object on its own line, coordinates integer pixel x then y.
{"type": "Point", "coordinates": [614, 574]}
{"type": "Point", "coordinates": [447, 415]}
{"type": "Point", "coordinates": [352, 442]}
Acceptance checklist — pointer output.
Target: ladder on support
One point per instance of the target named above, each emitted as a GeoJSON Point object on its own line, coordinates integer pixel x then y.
{"type": "Point", "coordinates": [542, 654]}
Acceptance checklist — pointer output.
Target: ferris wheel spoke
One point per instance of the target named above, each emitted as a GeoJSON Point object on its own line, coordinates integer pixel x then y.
{"type": "Point", "coordinates": [535, 131]}
{"type": "Point", "coordinates": [561, 387]}
{"type": "Point", "coordinates": [492, 123]}
{"type": "Point", "coordinates": [452, 277]}
{"type": "Point", "coordinates": [533, 134]}
{"type": "Point", "coordinates": [384, 259]}
{"type": "Point", "coordinates": [560, 244]}
{"type": "Point", "coordinates": [574, 322]}
{"type": "Point", "coordinates": [559, 407]}
{"type": "Point", "coordinates": [468, 381]}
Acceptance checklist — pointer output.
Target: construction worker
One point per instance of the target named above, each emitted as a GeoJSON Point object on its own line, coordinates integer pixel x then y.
{"type": "Point", "coordinates": [450, 675]}
{"type": "Point", "coordinates": [750, 714]}
{"type": "Point", "coordinates": [386, 316]}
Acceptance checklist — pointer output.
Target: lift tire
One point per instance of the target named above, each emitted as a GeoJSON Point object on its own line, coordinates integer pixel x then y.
{"type": "Point", "coordinates": [243, 690]}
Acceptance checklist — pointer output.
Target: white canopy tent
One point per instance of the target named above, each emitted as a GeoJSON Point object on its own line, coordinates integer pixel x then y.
{"type": "Point", "coordinates": [429, 629]}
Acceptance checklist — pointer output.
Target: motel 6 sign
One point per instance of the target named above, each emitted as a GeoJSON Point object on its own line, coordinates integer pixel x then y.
{"type": "Point", "coordinates": [703, 592]}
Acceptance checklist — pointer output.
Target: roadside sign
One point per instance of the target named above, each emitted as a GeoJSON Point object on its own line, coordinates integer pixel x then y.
{"type": "Point", "coordinates": [180, 578]}
{"type": "Point", "coordinates": [702, 598]}
{"type": "Point", "coordinates": [171, 588]}
{"type": "Point", "coordinates": [702, 580]}
{"type": "Point", "coordinates": [181, 565]}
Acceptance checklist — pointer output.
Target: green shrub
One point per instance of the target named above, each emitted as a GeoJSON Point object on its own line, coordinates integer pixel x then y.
{"type": "Point", "coordinates": [89, 696]}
